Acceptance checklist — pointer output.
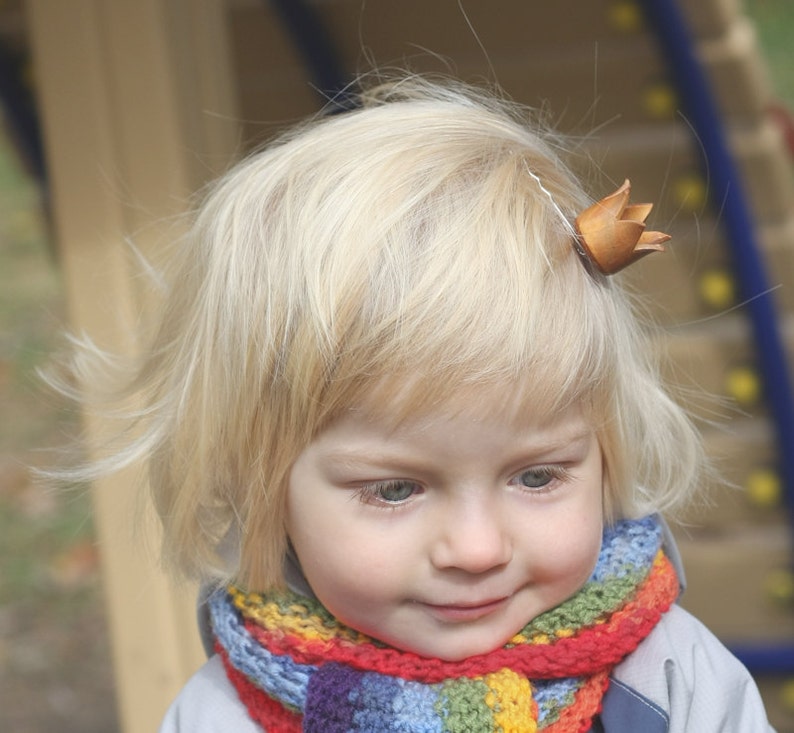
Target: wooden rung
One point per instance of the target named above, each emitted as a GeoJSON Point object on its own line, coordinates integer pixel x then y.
{"type": "Point", "coordinates": [738, 78]}
{"type": "Point", "coordinates": [728, 574]}
{"type": "Point", "coordinates": [653, 155]}
{"type": "Point", "coordinates": [709, 18]}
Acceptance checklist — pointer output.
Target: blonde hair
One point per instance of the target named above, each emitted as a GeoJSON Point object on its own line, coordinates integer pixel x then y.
{"type": "Point", "coordinates": [401, 253]}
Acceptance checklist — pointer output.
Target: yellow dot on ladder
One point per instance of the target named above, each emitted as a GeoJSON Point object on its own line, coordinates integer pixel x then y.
{"type": "Point", "coordinates": [625, 16]}
{"type": "Point", "coordinates": [743, 385]}
{"type": "Point", "coordinates": [764, 488]}
{"type": "Point", "coordinates": [660, 101]}
{"type": "Point", "coordinates": [690, 192]}
{"type": "Point", "coordinates": [717, 289]}
{"type": "Point", "coordinates": [780, 586]}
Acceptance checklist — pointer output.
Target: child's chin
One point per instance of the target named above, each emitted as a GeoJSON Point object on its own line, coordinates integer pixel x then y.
{"type": "Point", "coordinates": [454, 651]}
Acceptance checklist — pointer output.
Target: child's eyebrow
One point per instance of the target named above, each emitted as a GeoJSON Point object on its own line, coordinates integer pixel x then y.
{"type": "Point", "coordinates": [563, 440]}
{"type": "Point", "coordinates": [365, 459]}
{"type": "Point", "coordinates": [363, 456]}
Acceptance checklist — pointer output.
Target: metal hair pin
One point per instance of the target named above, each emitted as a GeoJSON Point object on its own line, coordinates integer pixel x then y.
{"type": "Point", "coordinates": [611, 233]}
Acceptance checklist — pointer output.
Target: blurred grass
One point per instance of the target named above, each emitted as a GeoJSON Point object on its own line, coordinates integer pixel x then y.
{"type": "Point", "coordinates": [54, 656]}
{"type": "Point", "coordinates": [31, 309]}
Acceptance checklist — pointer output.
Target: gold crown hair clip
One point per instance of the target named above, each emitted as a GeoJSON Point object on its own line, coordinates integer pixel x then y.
{"type": "Point", "coordinates": [611, 232]}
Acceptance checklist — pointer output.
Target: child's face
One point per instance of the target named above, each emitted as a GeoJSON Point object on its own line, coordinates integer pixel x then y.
{"type": "Point", "coordinates": [445, 535]}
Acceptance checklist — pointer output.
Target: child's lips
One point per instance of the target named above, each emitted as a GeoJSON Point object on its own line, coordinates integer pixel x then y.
{"type": "Point", "coordinates": [467, 611]}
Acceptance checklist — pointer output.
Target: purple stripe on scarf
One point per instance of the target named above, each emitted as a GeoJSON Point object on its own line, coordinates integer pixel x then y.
{"type": "Point", "coordinates": [328, 709]}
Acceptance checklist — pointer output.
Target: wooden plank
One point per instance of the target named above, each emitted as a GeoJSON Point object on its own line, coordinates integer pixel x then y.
{"type": "Point", "coordinates": [731, 581]}
{"type": "Point", "coordinates": [138, 111]}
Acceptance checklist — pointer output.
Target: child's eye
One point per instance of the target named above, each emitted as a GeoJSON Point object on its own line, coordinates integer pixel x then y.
{"type": "Point", "coordinates": [389, 492]}
{"type": "Point", "coordinates": [541, 477]}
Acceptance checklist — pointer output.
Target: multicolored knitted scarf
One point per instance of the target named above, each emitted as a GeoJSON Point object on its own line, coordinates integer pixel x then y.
{"type": "Point", "coordinates": [296, 668]}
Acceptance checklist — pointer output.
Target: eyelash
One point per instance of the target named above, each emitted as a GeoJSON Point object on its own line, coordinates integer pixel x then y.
{"type": "Point", "coordinates": [553, 474]}
{"type": "Point", "coordinates": [373, 493]}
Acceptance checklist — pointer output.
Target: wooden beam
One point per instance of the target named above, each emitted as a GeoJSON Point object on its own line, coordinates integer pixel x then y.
{"type": "Point", "coordinates": [138, 108]}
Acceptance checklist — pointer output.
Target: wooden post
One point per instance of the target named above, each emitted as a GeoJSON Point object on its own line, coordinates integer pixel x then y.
{"type": "Point", "coordinates": [138, 109]}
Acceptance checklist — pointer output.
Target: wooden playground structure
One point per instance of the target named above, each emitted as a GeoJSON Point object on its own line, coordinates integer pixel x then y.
{"type": "Point", "coordinates": [142, 101]}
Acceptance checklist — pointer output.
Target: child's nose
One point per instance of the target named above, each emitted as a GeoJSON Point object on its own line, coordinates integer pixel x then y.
{"type": "Point", "coordinates": [471, 536]}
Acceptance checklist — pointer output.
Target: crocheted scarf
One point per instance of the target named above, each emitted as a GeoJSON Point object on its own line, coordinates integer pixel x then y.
{"type": "Point", "coordinates": [296, 668]}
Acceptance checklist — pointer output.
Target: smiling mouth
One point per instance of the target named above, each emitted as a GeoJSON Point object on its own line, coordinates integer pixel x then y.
{"type": "Point", "coordinates": [452, 613]}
